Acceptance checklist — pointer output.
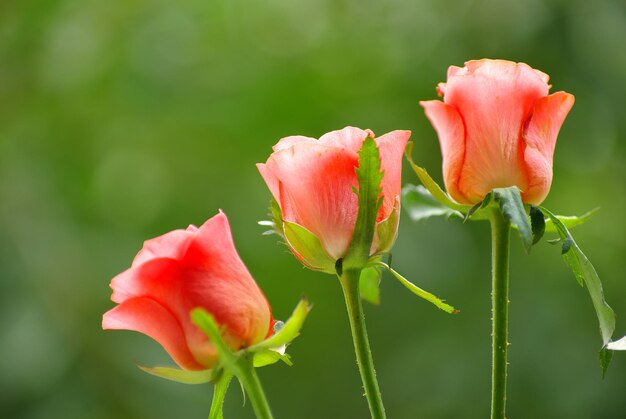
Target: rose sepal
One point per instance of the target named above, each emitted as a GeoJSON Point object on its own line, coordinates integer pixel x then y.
{"type": "Point", "coordinates": [429, 200]}
{"type": "Point", "coordinates": [284, 334]}
{"type": "Point", "coordinates": [305, 245]}
{"type": "Point", "coordinates": [242, 363]}
{"type": "Point", "coordinates": [179, 375]}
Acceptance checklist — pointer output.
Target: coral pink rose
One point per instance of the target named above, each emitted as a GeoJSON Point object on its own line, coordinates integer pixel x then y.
{"type": "Point", "coordinates": [183, 270]}
{"type": "Point", "coordinates": [313, 182]}
{"type": "Point", "coordinates": [497, 127]}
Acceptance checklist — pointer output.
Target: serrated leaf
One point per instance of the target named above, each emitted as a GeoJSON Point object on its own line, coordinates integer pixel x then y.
{"type": "Point", "coordinates": [369, 177]}
{"type": "Point", "coordinates": [431, 185]}
{"type": "Point", "coordinates": [269, 357]}
{"type": "Point", "coordinates": [420, 204]}
{"type": "Point", "coordinates": [569, 221]}
{"type": "Point", "coordinates": [178, 375]}
{"type": "Point", "coordinates": [618, 345]}
{"type": "Point", "coordinates": [538, 223]}
{"type": "Point", "coordinates": [431, 298]}
{"type": "Point", "coordinates": [369, 284]}
{"type": "Point", "coordinates": [512, 208]}
{"type": "Point", "coordinates": [289, 331]}
{"type": "Point", "coordinates": [308, 247]}
{"type": "Point", "coordinates": [605, 357]}
{"type": "Point", "coordinates": [585, 273]}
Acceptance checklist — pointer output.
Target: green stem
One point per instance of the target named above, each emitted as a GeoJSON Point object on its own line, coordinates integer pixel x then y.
{"type": "Point", "coordinates": [244, 370]}
{"type": "Point", "coordinates": [500, 232]}
{"type": "Point", "coordinates": [219, 393]}
{"type": "Point", "coordinates": [350, 285]}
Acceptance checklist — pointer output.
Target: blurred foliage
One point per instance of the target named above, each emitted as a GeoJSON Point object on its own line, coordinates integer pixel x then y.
{"type": "Point", "coordinates": [121, 120]}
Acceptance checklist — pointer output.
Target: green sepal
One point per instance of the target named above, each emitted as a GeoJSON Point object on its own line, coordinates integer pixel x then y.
{"type": "Point", "coordinates": [431, 185]}
{"type": "Point", "coordinates": [180, 376]}
{"type": "Point", "coordinates": [308, 248]}
{"type": "Point", "coordinates": [420, 204]}
{"type": "Point", "coordinates": [289, 331]}
{"type": "Point", "coordinates": [537, 223]}
{"type": "Point", "coordinates": [387, 230]}
{"type": "Point", "coordinates": [431, 298]}
{"type": "Point", "coordinates": [276, 221]}
{"type": "Point", "coordinates": [369, 284]}
{"type": "Point", "coordinates": [569, 221]}
{"type": "Point", "coordinates": [618, 345]}
{"type": "Point", "coordinates": [605, 356]}
{"type": "Point", "coordinates": [369, 176]}
{"type": "Point", "coordinates": [512, 208]}
{"type": "Point", "coordinates": [269, 357]}
{"type": "Point", "coordinates": [586, 274]}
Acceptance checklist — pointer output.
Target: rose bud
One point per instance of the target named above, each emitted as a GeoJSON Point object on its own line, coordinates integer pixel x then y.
{"type": "Point", "coordinates": [497, 128]}
{"type": "Point", "coordinates": [314, 182]}
{"type": "Point", "coordinates": [183, 270]}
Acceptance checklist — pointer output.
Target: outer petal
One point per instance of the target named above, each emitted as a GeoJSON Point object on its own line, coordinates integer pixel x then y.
{"type": "Point", "coordinates": [391, 147]}
{"type": "Point", "coordinates": [217, 279]}
{"type": "Point", "coordinates": [170, 245]}
{"type": "Point", "coordinates": [147, 316]}
{"type": "Point", "coordinates": [540, 133]}
{"type": "Point", "coordinates": [350, 137]}
{"type": "Point", "coordinates": [494, 97]}
{"type": "Point", "coordinates": [157, 278]}
{"type": "Point", "coordinates": [316, 191]}
{"type": "Point", "coordinates": [270, 180]}
{"type": "Point", "coordinates": [451, 132]}
{"type": "Point", "coordinates": [289, 141]}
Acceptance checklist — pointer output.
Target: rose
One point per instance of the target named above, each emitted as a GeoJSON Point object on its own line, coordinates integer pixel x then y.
{"type": "Point", "coordinates": [497, 127]}
{"type": "Point", "coordinates": [313, 183]}
{"type": "Point", "coordinates": [183, 270]}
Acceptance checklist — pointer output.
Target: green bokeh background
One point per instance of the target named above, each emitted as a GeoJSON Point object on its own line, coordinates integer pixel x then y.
{"type": "Point", "coordinates": [122, 120]}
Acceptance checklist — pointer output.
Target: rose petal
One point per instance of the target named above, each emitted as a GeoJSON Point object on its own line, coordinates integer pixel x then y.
{"type": "Point", "coordinates": [350, 137]}
{"type": "Point", "coordinates": [147, 316]}
{"type": "Point", "coordinates": [158, 278]}
{"type": "Point", "coordinates": [216, 279]}
{"type": "Point", "coordinates": [289, 141]}
{"type": "Point", "coordinates": [540, 134]}
{"type": "Point", "coordinates": [270, 180]}
{"type": "Point", "coordinates": [451, 133]}
{"type": "Point", "coordinates": [391, 147]}
{"type": "Point", "coordinates": [171, 245]}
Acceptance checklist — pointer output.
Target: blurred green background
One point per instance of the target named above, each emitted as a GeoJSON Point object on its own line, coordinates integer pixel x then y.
{"type": "Point", "coordinates": [122, 120]}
